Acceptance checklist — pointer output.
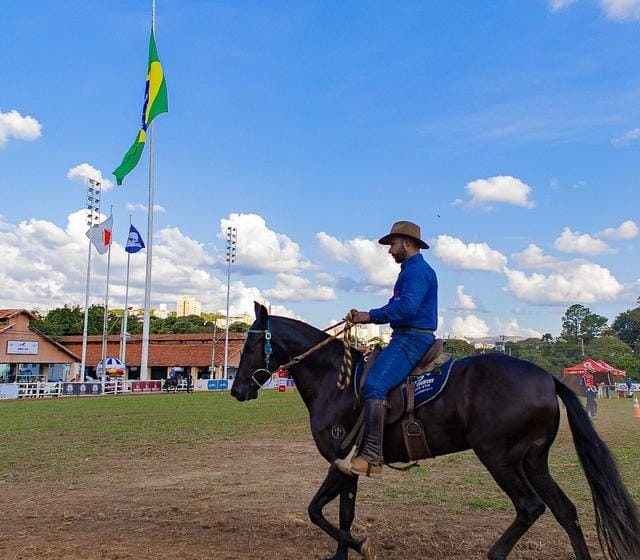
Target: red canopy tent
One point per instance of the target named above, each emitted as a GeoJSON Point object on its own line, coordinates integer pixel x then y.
{"type": "Point", "coordinates": [590, 372]}
{"type": "Point", "coordinates": [612, 370]}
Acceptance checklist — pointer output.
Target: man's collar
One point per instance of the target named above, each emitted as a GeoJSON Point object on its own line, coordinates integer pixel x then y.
{"type": "Point", "coordinates": [412, 258]}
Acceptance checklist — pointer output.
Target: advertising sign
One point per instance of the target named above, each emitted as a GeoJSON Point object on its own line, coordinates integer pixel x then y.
{"type": "Point", "coordinates": [22, 347]}
{"type": "Point", "coordinates": [8, 391]}
{"type": "Point", "coordinates": [81, 389]}
{"type": "Point", "coordinates": [218, 385]}
{"type": "Point", "coordinates": [146, 386]}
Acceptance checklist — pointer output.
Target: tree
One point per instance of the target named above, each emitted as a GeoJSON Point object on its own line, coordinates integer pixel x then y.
{"type": "Point", "coordinates": [376, 341]}
{"type": "Point", "coordinates": [238, 326]}
{"type": "Point", "coordinates": [95, 321]}
{"type": "Point", "coordinates": [627, 327]}
{"type": "Point", "coordinates": [579, 322]}
{"type": "Point", "coordinates": [189, 324]}
{"type": "Point", "coordinates": [616, 353]}
{"type": "Point", "coordinates": [459, 348]}
{"type": "Point", "coordinates": [61, 321]}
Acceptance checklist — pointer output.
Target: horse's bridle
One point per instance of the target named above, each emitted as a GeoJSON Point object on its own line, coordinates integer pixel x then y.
{"type": "Point", "coordinates": [345, 375]}
{"type": "Point", "coordinates": [267, 356]}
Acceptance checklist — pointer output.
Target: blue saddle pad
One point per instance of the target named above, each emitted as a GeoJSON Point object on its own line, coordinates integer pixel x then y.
{"type": "Point", "coordinates": [427, 386]}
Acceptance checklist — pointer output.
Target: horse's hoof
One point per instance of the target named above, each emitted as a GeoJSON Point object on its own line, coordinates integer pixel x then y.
{"type": "Point", "coordinates": [368, 549]}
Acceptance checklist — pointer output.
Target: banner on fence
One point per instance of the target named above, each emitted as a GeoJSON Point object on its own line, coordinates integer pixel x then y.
{"type": "Point", "coordinates": [218, 385]}
{"type": "Point", "coordinates": [146, 386]}
{"type": "Point", "coordinates": [81, 389]}
{"type": "Point", "coordinates": [8, 391]}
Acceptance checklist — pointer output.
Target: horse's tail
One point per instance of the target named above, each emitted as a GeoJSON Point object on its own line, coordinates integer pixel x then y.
{"type": "Point", "coordinates": [616, 515]}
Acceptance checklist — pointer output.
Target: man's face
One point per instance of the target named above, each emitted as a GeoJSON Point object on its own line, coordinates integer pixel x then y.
{"type": "Point", "coordinates": [398, 249]}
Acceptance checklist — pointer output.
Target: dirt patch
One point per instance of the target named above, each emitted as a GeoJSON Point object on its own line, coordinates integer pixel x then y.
{"type": "Point", "coordinates": [230, 500]}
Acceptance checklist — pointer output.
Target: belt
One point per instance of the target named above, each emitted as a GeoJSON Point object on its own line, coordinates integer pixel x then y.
{"type": "Point", "coordinates": [413, 329]}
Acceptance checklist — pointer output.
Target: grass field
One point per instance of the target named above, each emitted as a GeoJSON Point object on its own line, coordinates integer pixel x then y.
{"type": "Point", "coordinates": [49, 437]}
{"type": "Point", "coordinates": [85, 439]}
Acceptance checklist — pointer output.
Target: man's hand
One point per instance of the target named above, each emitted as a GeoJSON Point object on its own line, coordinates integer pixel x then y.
{"type": "Point", "coordinates": [357, 317]}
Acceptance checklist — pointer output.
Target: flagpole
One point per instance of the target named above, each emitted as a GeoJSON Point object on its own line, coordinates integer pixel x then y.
{"type": "Point", "coordinates": [105, 320]}
{"type": "Point", "coordinates": [125, 317]}
{"type": "Point", "coordinates": [144, 359]}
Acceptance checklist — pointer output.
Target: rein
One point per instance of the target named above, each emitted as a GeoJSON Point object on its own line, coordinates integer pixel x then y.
{"type": "Point", "coordinates": [344, 377]}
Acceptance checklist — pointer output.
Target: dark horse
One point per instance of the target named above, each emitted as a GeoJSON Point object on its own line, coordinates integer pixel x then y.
{"type": "Point", "coordinates": [171, 384]}
{"type": "Point", "coordinates": [503, 408]}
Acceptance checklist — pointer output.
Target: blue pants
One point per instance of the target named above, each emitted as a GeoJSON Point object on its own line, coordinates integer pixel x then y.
{"type": "Point", "coordinates": [395, 362]}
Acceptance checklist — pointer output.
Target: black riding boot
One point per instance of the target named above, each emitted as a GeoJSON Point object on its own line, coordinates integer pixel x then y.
{"type": "Point", "coordinates": [369, 460]}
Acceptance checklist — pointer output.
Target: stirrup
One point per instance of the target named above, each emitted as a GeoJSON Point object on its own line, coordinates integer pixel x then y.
{"type": "Point", "coordinates": [344, 464]}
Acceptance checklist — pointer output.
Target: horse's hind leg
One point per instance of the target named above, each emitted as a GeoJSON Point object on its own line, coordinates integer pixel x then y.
{"type": "Point", "coordinates": [511, 478]}
{"type": "Point", "coordinates": [537, 470]}
{"type": "Point", "coordinates": [337, 483]}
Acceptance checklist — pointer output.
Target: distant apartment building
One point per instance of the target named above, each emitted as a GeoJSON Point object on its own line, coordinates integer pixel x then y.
{"type": "Point", "coordinates": [162, 312]}
{"type": "Point", "coordinates": [187, 305]}
{"type": "Point", "coordinates": [245, 318]}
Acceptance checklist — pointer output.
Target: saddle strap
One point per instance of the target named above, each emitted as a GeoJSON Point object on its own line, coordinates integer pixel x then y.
{"type": "Point", "coordinates": [414, 437]}
{"type": "Point", "coordinates": [351, 436]}
{"type": "Point", "coordinates": [411, 397]}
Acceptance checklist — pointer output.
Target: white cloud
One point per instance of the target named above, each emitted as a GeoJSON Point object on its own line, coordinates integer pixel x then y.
{"type": "Point", "coordinates": [261, 249]}
{"type": "Point", "coordinates": [468, 256]}
{"type": "Point", "coordinates": [512, 328]}
{"type": "Point", "coordinates": [465, 301]}
{"type": "Point", "coordinates": [291, 287]}
{"type": "Point", "coordinates": [371, 257]}
{"type": "Point", "coordinates": [557, 5]}
{"type": "Point", "coordinates": [14, 125]}
{"type": "Point", "coordinates": [85, 171]}
{"type": "Point", "coordinates": [333, 247]}
{"type": "Point", "coordinates": [622, 9]}
{"type": "Point", "coordinates": [502, 188]}
{"type": "Point", "coordinates": [615, 9]}
{"type": "Point", "coordinates": [533, 257]}
{"type": "Point", "coordinates": [627, 137]}
{"type": "Point", "coordinates": [157, 208]}
{"type": "Point", "coordinates": [44, 266]}
{"type": "Point", "coordinates": [626, 230]}
{"type": "Point", "coordinates": [468, 327]}
{"type": "Point", "coordinates": [580, 282]}
{"type": "Point", "coordinates": [585, 244]}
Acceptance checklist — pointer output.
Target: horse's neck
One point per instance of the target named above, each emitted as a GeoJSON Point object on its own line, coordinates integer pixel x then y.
{"type": "Point", "coordinates": [316, 373]}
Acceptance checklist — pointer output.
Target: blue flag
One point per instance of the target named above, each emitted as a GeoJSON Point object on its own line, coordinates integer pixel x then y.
{"type": "Point", "coordinates": [134, 241]}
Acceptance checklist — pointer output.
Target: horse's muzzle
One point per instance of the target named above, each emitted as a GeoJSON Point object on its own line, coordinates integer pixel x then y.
{"type": "Point", "coordinates": [247, 393]}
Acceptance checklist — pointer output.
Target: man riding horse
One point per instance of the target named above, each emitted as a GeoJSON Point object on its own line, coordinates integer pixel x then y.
{"type": "Point", "coordinates": [412, 313]}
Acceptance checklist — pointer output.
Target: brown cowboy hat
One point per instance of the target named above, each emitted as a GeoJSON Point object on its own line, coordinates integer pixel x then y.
{"type": "Point", "coordinates": [408, 229]}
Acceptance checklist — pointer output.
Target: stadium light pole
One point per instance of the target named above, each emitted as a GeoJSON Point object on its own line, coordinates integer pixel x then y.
{"type": "Point", "coordinates": [94, 193]}
{"type": "Point", "coordinates": [232, 242]}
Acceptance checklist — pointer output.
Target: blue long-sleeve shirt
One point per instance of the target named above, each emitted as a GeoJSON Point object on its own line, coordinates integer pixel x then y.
{"type": "Point", "coordinates": [415, 298]}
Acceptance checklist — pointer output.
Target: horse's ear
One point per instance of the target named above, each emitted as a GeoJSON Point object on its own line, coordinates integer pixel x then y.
{"type": "Point", "coordinates": [261, 312]}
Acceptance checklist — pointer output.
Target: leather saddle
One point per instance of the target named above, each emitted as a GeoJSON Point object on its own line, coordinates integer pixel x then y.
{"type": "Point", "coordinates": [398, 410]}
{"type": "Point", "coordinates": [432, 361]}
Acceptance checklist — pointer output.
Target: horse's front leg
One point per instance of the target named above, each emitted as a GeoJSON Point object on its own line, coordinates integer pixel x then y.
{"type": "Point", "coordinates": [346, 486]}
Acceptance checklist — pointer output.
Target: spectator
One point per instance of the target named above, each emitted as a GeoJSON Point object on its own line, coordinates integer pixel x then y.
{"type": "Point", "coordinates": [592, 406]}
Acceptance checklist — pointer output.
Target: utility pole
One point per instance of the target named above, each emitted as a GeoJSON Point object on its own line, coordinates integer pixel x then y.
{"type": "Point", "coordinates": [212, 371]}
{"type": "Point", "coordinates": [94, 193]}
{"type": "Point", "coordinates": [232, 242]}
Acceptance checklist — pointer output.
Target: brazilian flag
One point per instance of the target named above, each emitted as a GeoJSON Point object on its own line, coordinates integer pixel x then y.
{"type": "Point", "coordinates": [155, 102]}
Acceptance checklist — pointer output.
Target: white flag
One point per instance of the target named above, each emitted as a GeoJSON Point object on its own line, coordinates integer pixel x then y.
{"type": "Point", "coordinates": [101, 234]}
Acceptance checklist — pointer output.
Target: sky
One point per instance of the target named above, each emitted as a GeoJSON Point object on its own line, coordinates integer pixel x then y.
{"type": "Point", "coordinates": [508, 130]}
